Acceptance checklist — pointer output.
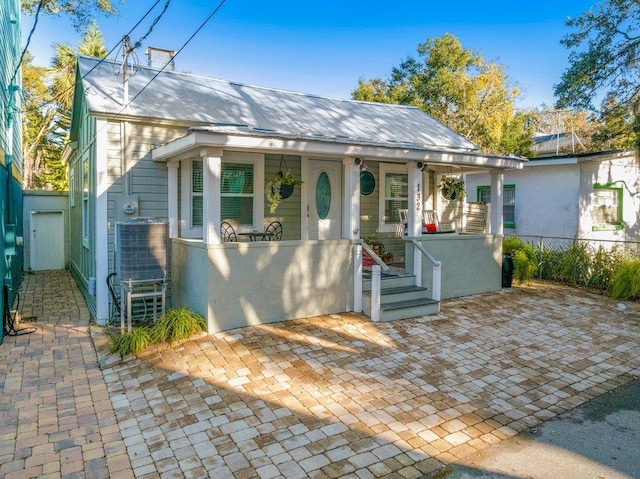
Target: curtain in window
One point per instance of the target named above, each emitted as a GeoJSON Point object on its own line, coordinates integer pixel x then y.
{"type": "Point", "coordinates": [396, 195]}
{"type": "Point", "coordinates": [237, 193]}
{"type": "Point", "coordinates": [605, 209]}
{"type": "Point", "coordinates": [196, 193]}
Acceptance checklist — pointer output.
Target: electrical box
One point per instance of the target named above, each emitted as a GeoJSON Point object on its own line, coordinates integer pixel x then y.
{"type": "Point", "coordinates": [127, 207]}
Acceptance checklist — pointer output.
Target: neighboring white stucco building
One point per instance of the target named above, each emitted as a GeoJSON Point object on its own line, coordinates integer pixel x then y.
{"type": "Point", "coordinates": [588, 195]}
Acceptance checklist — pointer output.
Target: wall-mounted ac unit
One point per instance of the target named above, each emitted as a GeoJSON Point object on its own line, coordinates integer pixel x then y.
{"type": "Point", "coordinates": [141, 249]}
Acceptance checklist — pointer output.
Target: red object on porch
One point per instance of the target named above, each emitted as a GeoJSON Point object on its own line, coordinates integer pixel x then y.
{"type": "Point", "coordinates": [367, 260]}
{"type": "Point", "coordinates": [431, 227]}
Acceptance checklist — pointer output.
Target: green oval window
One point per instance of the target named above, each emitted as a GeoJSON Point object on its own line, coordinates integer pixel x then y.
{"type": "Point", "coordinates": [323, 195]}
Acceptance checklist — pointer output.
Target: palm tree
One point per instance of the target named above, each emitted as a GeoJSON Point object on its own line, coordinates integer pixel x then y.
{"type": "Point", "coordinates": [48, 116]}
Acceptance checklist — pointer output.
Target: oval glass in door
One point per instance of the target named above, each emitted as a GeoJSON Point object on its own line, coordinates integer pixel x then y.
{"type": "Point", "coordinates": [323, 195]}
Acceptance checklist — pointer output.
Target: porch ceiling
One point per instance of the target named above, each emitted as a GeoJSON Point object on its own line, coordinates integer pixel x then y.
{"type": "Point", "coordinates": [247, 139]}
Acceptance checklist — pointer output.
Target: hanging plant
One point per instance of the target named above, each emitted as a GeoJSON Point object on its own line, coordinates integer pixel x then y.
{"type": "Point", "coordinates": [452, 188]}
{"type": "Point", "coordinates": [280, 187]}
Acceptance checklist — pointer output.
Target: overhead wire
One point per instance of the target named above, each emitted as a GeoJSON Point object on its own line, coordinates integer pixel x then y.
{"type": "Point", "coordinates": [24, 51]}
{"type": "Point", "coordinates": [153, 24]}
{"type": "Point", "coordinates": [211, 15]}
{"type": "Point", "coordinates": [37, 107]}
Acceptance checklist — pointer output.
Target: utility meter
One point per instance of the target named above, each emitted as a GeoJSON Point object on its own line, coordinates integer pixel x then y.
{"type": "Point", "coordinates": [128, 208]}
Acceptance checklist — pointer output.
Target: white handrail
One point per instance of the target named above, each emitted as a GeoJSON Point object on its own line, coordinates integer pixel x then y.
{"type": "Point", "coordinates": [434, 261]}
{"type": "Point", "coordinates": [436, 284]}
{"type": "Point", "coordinates": [375, 257]}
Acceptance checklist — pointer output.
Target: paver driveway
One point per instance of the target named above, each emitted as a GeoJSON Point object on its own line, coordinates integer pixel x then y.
{"type": "Point", "coordinates": [339, 396]}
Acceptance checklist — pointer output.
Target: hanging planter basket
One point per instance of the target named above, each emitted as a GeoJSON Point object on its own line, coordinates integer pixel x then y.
{"type": "Point", "coordinates": [452, 188]}
{"type": "Point", "coordinates": [286, 190]}
{"type": "Point", "coordinates": [281, 186]}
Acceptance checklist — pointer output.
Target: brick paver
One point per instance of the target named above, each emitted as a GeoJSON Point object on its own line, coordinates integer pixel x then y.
{"type": "Point", "coordinates": [339, 396]}
{"type": "Point", "coordinates": [325, 397]}
{"type": "Point", "coordinates": [56, 416]}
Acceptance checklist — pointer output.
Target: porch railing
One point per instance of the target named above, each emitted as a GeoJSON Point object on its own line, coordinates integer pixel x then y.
{"type": "Point", "coordinates": [436, 286]}
{"type": "Point", "coordinates": [376, 285]}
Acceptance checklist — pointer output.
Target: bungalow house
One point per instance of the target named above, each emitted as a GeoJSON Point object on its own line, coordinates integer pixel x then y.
{"type": "Point", "coordinates": [587, 196]}
{"type": "Point", "coordinates": [10, 153]}
{"type": "Point", "coordinates": [197, 151]}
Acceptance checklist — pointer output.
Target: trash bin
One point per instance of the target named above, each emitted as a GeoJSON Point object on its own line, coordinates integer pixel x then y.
{"type": "Point", "coordinates": [507, 270]}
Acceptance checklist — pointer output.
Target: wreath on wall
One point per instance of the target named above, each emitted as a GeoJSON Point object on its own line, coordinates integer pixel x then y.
{"type": "Point", "coordinates": [452, 188]}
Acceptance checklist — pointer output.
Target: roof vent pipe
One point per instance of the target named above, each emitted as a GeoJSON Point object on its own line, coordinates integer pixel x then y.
{"type": "Point", "coordinates": [160, 58]}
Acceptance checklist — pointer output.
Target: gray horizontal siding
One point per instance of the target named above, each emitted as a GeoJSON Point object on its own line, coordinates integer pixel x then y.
{"type": "Point", "coordinates": [288, 211]}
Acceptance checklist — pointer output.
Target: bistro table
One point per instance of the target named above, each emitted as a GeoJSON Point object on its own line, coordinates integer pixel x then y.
{"type": "Point", "coordinates": [257, 235]}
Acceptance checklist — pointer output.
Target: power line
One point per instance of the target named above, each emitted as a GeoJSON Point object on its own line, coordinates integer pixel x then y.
{"type": "Point", "coordinates": [177, 53]}
{"type": "Point", "coordinates": [153, 24]}
{"type": "Point", "coordinates": [97, 64]}
{"type": "Point", "coordinates": [24, 51]}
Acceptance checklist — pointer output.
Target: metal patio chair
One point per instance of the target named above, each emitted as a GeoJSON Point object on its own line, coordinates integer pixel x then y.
{"type": "Point", "coordinates": [227, 233]}
{"type": "Point", "coordinates": [274, 231]}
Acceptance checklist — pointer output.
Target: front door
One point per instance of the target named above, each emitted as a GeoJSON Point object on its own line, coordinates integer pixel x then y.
{"type": "Point", "coordinates": [325, 199]}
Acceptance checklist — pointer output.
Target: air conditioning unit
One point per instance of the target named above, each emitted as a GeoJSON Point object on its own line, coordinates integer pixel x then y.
{"type": "Point", "coordinates": [141, 249]}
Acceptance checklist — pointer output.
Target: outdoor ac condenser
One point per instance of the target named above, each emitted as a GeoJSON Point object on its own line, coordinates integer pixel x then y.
{"type": "Point", "coordinates": [141, 249]}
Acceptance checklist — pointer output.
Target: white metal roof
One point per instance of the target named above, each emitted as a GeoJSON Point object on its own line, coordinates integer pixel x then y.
{"type": "Point", "coordinates": [175, 96]}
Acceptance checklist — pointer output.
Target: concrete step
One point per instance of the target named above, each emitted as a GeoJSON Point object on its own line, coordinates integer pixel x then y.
{"type": "Point", "coordinates": [401, 293]}
{"type": "Point", "coordinates": [401, 299]}
{"type": "Point", "coordinates": [390, 282]}
{"type": "Point", "coordinates": [408, 309]}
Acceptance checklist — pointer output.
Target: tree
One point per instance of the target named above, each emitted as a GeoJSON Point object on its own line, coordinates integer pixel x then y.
{"type": "Point", "coordinates": [49, 97]}
{"type": "Point", "coordinates": [79, 11]}
{"type": "Point", "coordinates": [459, 88]}
{"type": "Point", "coordinates": [39, 114]}
{"type": "Point", "coordinates": [617, 126]}
{"type": "Point", "coordinates": [604, 63]}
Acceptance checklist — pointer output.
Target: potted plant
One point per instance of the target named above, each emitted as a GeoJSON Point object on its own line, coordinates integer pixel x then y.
{"type": "Point", "coordinates": [452, 188]}
{"type": "Point", "coordinates": [279, 187]}
{"type": "Point", "coordinates": [388, 257]}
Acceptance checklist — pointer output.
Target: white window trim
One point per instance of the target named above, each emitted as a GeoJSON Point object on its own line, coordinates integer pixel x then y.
{"type": "Point", "coordinates": [72, 186]}
{"type": "Point", "coordinates": [384, 169]}
{"type": "Point", "coordinates": [85, 188]}
{"type": "Point", "coordinates": [186, 231]}
{"type": "Point", "coordinates": [257, 159]}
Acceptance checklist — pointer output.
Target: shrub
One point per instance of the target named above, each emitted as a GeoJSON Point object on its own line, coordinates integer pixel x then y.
{"type": "Point", "coordinates": [178, 324]}
{"type": "Point", "coordinates": [524, 258]}
{"type": "Point", "coordinates": [625, 283]}
{"type": "Point", "coordinates": [573, 265]}
{"type": "Point", "coordinates": [174, 325]}
{"type": "Point", "coordinates": [603, 266]}
{"type": "Point", "coordinates": [133, 342]}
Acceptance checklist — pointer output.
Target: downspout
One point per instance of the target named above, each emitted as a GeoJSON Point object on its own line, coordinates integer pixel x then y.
{"type": "Point", "coordinates": [126, 184]}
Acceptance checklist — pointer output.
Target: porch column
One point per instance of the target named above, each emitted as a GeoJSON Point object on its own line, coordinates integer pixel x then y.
{"type": "Point", "coordinates": [351, 201]}
{"type": "Point", "coordinates": [414, 215]}
{"type": "Point", "coordinates": [100, 246]}
{"type": "Point", "coordinates": [497, 183]}
{"type": "Point", "coordinates": [351, 223]}
{"type": "Point", "coordinates": [172, 200]}
{"type": "Point", "coordinates": [212, 172]}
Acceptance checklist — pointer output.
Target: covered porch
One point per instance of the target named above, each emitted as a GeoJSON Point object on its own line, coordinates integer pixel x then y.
{"type": "Point", "coordinates": [349, 191]}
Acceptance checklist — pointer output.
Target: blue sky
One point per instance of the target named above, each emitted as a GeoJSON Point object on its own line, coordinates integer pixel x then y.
{"type": "Point", "coordinates": [324, 47]}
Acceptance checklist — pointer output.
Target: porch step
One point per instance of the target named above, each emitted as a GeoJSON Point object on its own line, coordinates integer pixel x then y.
{"type": "Point", "coordinates": [400, 299]}
{"type": "Point", "coordinates": [408, 309]}
{"type": "Point", "coordinates": [390, 282]}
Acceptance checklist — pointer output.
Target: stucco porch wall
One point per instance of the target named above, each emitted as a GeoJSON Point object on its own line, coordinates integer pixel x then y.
{"type": "Point", "coordinates": [471, 264]}
{"type": "Point", "coordinates": [239, 284]}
